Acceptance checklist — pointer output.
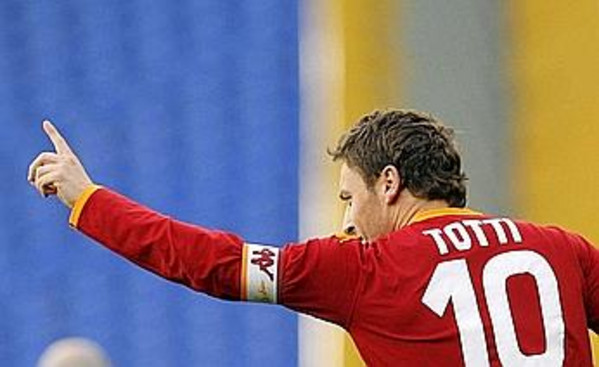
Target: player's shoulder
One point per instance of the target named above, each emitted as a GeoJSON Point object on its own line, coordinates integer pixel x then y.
{"type": "Point", "coordinates": [548, 235]}
{"type": "Point", "coordinates": [548, 231]}
{"type": "Point", "coordinates": [562, 241]}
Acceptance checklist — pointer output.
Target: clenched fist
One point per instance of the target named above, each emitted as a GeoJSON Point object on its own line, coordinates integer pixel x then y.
{"type": "Point", "coordinates": [58, 173]}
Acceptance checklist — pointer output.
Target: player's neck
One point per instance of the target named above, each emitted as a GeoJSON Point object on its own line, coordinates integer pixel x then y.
{"type": "Point", "coordinates": [408, 206]}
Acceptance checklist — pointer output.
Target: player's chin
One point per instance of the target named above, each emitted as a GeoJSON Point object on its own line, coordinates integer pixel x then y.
{"type": "Point", "coordinates": [362, 237]}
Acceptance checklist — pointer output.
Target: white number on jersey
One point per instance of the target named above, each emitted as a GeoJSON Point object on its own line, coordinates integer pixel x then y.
{"type": "Point", "coordinates": [451, 282]}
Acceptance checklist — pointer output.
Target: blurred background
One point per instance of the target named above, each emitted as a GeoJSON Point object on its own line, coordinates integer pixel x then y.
{"type": "Point", "coordinates": [220, 113]}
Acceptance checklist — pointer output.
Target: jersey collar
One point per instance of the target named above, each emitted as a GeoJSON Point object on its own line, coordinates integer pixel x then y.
{"type": "Point", "coordinates": [433, 213]}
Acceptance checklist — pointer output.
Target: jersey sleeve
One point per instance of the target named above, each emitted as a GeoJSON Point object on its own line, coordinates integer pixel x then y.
{"type": "Point", "coordinates": [321, 278]}
{"type": "Point", "coordinates": [588, 257]}
{"type": "Point", "coordinates": [204, 260]}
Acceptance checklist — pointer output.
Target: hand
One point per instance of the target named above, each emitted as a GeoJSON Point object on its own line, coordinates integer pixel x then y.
{"type": "Point", "coordinates": [58, 173]}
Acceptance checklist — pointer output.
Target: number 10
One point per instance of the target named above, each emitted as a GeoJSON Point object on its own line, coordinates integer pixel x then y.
{"type": "Point", "coordinates": [451, 282]}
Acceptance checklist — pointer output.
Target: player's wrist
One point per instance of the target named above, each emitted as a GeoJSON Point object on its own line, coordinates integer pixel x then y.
{"type": "Point", "coordinates": [80, 202]}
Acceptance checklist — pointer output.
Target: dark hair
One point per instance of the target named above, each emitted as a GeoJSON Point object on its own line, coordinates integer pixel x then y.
{"type": "Point", "coordinates": [418, 145]}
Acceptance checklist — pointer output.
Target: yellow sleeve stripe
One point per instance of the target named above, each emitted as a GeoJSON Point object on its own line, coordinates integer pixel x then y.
{"type": "Point", "coordinates": [244, 256]}
{"type": "Point", "coordinates": [80, 203]}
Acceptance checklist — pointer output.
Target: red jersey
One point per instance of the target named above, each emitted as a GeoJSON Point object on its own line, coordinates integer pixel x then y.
{"type": "Point", "coordinates": [452, 288]}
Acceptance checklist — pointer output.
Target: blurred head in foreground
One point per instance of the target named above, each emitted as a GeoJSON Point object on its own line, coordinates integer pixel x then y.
{"type": "Point", "coordinates": [73, 352]}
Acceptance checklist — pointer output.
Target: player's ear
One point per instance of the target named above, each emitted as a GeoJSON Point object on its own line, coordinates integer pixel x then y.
{"type": "Point", "coordinates": [391, 183]}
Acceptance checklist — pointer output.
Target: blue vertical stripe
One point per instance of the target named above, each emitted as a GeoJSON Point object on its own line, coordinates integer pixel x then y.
{"type": "Point", "coordinates": [189, 107]}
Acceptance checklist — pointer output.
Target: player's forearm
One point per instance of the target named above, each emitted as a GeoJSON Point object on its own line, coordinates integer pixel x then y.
{"type": "Point", "coordinates": [205, 260]}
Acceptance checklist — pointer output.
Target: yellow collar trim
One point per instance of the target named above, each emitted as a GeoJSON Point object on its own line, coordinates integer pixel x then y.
{"type": "Point", "coordinates": [433, 213]}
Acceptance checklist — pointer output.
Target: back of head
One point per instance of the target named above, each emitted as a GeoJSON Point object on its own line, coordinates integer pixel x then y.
{"type": "Point", "coordinates": [421, 147]}
{"type": "Point", "coordinates": [73, 352]}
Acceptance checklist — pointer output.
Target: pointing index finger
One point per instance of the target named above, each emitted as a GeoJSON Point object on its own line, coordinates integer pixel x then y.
{"type": "Point", "coordinates": [60, 144]}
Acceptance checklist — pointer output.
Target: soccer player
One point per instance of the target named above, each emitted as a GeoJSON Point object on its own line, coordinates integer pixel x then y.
{"type": "Point", "coordinates": [428, 282]}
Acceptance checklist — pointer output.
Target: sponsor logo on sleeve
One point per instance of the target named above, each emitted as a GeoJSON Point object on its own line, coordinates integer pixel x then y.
{"type": "Point", "coordinates": [259, 273]}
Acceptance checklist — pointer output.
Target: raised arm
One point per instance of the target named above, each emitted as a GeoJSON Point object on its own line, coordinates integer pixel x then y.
{"type": "Point", "coordinates": [320, 277]}
{"type": "Point", "coordinates": [205, 260]}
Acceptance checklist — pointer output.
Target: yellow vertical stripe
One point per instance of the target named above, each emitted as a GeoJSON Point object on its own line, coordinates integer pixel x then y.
{"type": "Point", "coordinates": [371, 69]}
{"type": "Point", "coordinates": [371, 43]}
{"type": "Point", "coordinates": [556, 117]}
{"type": "Point", "coordinates": [244, 258]}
